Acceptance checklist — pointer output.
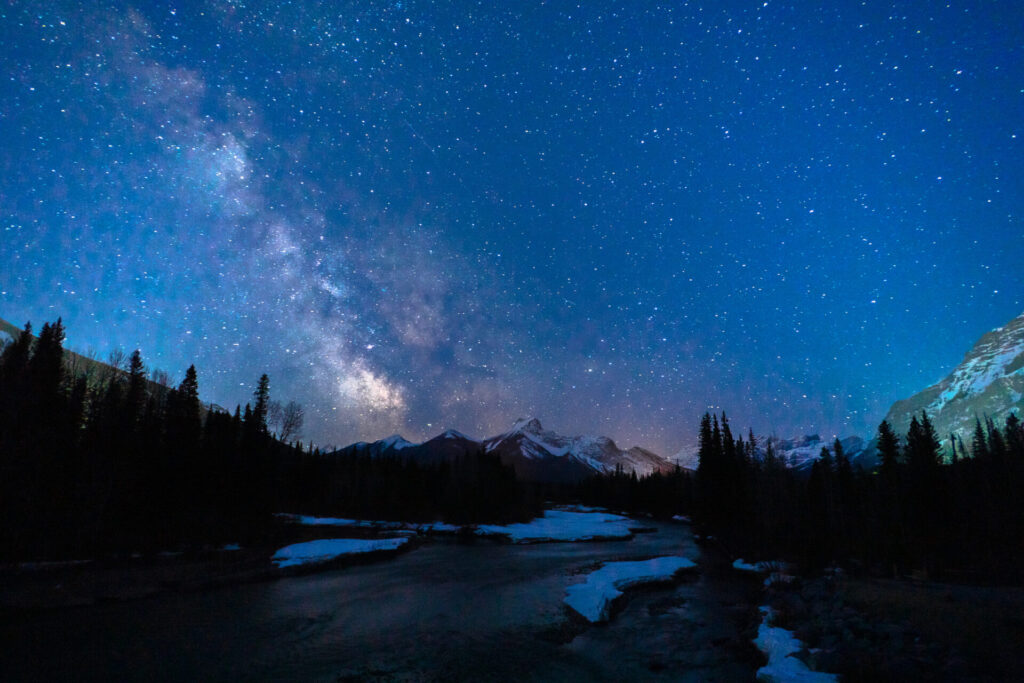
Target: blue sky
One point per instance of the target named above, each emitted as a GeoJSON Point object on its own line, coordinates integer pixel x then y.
{"type": "Point", "coordinates": [419, 215]}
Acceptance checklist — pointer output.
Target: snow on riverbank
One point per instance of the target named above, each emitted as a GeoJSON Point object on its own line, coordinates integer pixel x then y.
{"type": "Point", "coordinates": [378, 525]}
{"type": "Point", "coordinates": [576, 524]}
{"type": "Point", "coordinates": [306, 520]}
{"type": "Point", "coordinates": [593, 598]}
{"type": "Point", "coordinates": [760, 567]}
{"type": "Point", "coordinates": [563, 525]}
{"type": "Point", "coordinates": [779, 645]}
{"type": "Point", "coordinates": [325, 550]}
{"type": "Point", "coordinates": [778, 572]}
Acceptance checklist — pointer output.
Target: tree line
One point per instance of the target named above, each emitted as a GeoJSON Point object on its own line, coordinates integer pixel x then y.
{"type": "Point", "coordinates": [917, 512]}
{"type": "Point", "coordinates": [658, 494]}
{"type": "Point", "coordinates": [95, 464]}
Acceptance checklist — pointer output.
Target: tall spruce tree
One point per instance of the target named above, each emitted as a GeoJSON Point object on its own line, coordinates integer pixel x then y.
{"type": "Point", "coordinates": [1014, 436]}
{"type": "Point", "coordinates": [46, 367]}
{"type": "Point", "coordinates": [189, 407]}
{"type": "Point", "coordinates": [996, 445]}
{"type": "Point", "coordinates": [888, 449]}
{"type": "Point", "coordinates": [135, 399]}
{"type": "Point", "coordinates": [931, 448]}
{"type": "Point", "coordinates": [979, 445]}
{"type": "Point", "coordinates": [261, 405]}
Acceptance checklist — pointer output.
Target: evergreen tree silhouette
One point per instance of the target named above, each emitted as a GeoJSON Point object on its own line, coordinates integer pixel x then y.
{"type": "Point", "coordinates": [888, 450]}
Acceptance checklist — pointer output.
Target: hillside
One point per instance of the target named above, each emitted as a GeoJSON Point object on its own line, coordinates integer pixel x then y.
{"type": "Point", "coordinates": [988, 382]}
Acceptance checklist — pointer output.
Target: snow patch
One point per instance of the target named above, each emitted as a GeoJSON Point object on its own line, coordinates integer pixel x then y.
{"type": "Point", "coordinates": [563, 525]}
{"type": "Point", "coordinates": [379, 525]}
{"type": "Point", "coordinates": [306, 520]}
{"type": "Point", "coordinates": [557, 451]}
{"type": "Point", "coordinates": [395, 441]}
{"type": "Point", "coordinates": [592, 599]}
{"type": "Point", "coordinates": [325, 550]}
{"type": "Point", "coordinates": [438, 528]}
{"type": "Point", "coordinates": [760, 567]}
{"type": "Point", "coordinates": [779, 645]}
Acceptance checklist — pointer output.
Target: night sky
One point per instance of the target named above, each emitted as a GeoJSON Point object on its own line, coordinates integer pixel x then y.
{"type": "Point", "coordinates": [419, 215]}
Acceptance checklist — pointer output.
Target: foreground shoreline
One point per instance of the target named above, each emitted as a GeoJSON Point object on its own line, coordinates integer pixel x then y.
{"type": "Point", "coordinates": [34, 586]}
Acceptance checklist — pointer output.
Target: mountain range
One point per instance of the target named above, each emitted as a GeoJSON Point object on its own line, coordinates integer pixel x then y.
{"type": "Point", "coordinates": [537, 454]}
{"type": "Point", "coordinates": [988, 382]}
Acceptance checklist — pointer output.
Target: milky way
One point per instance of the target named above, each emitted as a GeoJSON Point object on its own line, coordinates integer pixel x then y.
{"type": "Point", "coordinates": [417, 215]}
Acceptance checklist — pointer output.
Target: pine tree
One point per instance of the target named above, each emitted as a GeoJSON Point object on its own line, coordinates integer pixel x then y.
{"type": "Point", "coordinates": [979, 446]}
{"type": "Point", "coordinates": [825, 458]}
{"type": "Point", "coordinates": [931, 449]}
{"type": "Point", "coordinates": [912, 446]}
{"type": "Point", "coordinates": [14, 387]}
{"type": "Point", "coordinates": [189, 421]}
{"type": "Point", "coordinates": [261, 404]}
{"type": "Point", "coordinates": [996, 445]}
{"type": "Point", "coordinates": [136, 397]}
{"type": "Point", "coordinates": [1014, 437]}
{"type": "Point", "coordinates": [888, 449]}
{"type": "Point", "coordinates": [837, 448]}
{"type": "Point", "coordinates": [705, 446]}
{"type": "Point", "coordinates": [46, 367]}
{"type": "Point", "coordinates": [728, 443]}
{"type": "Point", "coordinates": [15, 357]}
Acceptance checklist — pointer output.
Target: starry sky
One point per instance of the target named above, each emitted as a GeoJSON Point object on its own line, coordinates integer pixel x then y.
{"type": "Point", "coordinates": [611, 216]}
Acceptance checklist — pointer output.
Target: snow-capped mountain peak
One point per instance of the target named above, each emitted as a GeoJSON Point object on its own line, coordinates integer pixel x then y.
{"type": "Point", "coordinates": [395, 441]}
{"type": "Point", "coordinates": [454, 434]}
{"type": "Point", "coordinates": [989, 381]}
{"type": "Point", "coordinates": [527, 440]}
{"type": "Point", "coordinates": [536, 453]}
{"type": "Point", "coordinates": [526, 424]}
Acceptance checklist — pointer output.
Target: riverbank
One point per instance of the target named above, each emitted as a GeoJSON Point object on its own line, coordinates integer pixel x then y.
{"type": "Point", "coordinates": [884, 629]}
{"type": "Point", "coordinates": [53, 585]}
{"type": "Point", "coordinates": [484, 610]}
{"type": "Point", "coordinates": [37, 586]}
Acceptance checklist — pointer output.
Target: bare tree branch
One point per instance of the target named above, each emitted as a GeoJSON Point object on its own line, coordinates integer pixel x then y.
{"type": "Point", "coordinates": [292, 417]}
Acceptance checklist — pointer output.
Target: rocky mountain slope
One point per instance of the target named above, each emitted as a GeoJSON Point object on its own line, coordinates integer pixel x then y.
{"type": "Point", "coordinates": [989, 381]}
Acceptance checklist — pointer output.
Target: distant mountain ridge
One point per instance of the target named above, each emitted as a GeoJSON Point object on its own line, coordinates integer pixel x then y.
{"type": "Point", "coordinates": [536, 454]}
{"type": "Point", "coordinates": [988, 382]}
{"type": "Point", "coordinates": [798, 453]}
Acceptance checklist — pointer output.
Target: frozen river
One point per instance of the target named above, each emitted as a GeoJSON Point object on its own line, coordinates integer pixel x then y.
{"type": "Point", "coordinates": [444, 611]}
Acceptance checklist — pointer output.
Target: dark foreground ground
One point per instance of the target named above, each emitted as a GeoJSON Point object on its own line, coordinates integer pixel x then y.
{"type": "Point", "coordinates": [445, 611]}
{"type": "Point", "coordinates": [902, 630]}
{"type": "Point", "coordinates": [700, 629]}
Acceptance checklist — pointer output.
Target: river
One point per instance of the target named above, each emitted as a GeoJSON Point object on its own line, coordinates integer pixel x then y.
{"type": "Point", "coordinates": [444, 611]}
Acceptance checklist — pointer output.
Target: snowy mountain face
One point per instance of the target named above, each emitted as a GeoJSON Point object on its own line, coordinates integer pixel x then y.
{"type": "Point", "coordinates": [536, 454]}
{"type": "Point", "coordinates": [529, 441]}
{"type": "Point", "coordinates": [988, 382]}
{"type": "Point", "coordinates": [687, 458]}
{"type": "Point", "coordinates": [801, 453]}
{"type": "Point", "coordinates": [797, 453]}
